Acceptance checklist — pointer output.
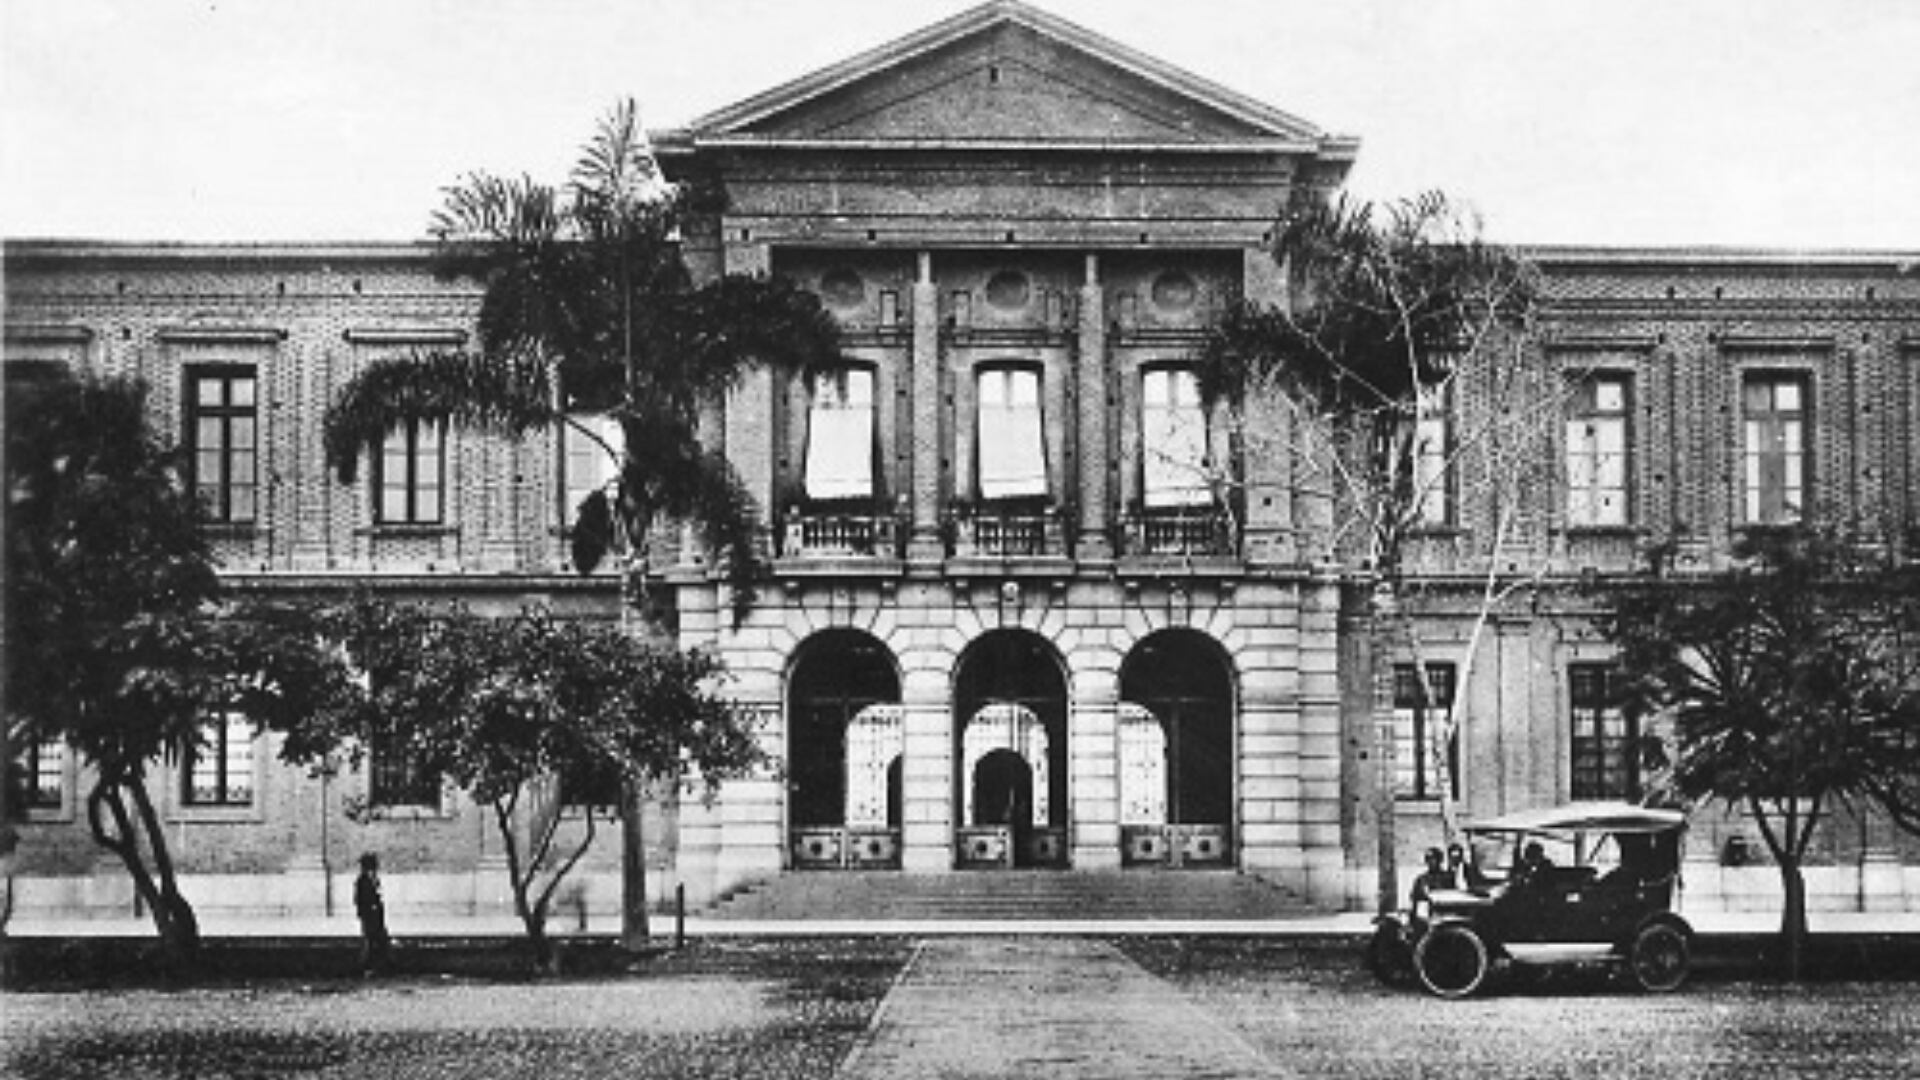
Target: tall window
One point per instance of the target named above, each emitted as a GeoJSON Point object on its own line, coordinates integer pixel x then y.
{"type": "Point", "coordinates": [224, 427]}
{"type": "Point", "coordinates": [38, 776]}
{"type": "Point", "coordinates": [840, 434]}
{"type": "Point", "coordinates": [1173, 439]}
{"type": "Point", "coordinates": [586, 464]}
{"type": "Point", "coordinates": [398, 777]}
{"type": "Point", "coordinates": [411, 475]}
{"type": "Point", "coordinates": [219, 766]}
{"type": "Point", "coordinates": [1427, 472]}
{"type": "Point", "coordinates": [1597, 461]}
{"type": "Point", "coordinates": [1774, 445]}
{"type": "Point", "coordinates": [1012, 444]}
{"type": "Point", "coordinates": [1419, 712]}
{"type": "Point", "coordinates": [1606, 763]}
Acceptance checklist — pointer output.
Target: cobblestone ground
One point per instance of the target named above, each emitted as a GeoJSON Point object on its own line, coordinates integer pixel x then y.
{"type": "Point", "coordinates": [982, 1007]}
{"type": "Point", "coordinates": [794, 1015]}
{"type": "Point", "coordinates": [1312, 1013]}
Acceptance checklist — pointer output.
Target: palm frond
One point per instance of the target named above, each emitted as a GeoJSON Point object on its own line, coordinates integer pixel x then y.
{"type": "Point", "coordinates": [500, 395]}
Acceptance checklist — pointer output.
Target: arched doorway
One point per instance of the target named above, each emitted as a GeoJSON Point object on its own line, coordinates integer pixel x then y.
{"type": "Point", "coordinates": [844, 744]}
{"type": "Point", "coordinates": [1176, 749]}
{"type": "Point", "coordinates": [1010, 705]}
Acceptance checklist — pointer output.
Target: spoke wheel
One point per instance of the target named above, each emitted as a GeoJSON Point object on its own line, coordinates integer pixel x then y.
{"type": "Point", "coordinates": [1659, 959]}
{"type": "Point", "coordinates": [1452, 960]}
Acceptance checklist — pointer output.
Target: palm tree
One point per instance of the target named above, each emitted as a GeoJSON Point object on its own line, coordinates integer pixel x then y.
{"type": "Point", "coordinates": [587, 306]}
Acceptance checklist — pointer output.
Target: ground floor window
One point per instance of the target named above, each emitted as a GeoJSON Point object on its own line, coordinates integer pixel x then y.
{"type": "Point", "coordinates": [1421, 709]}
{"type": "Point", "coordinates": [1606, 762]}
{"type": "Point", "coordinates": [219, 765]}
{"type": "Point", "coordinates": [398, 777]}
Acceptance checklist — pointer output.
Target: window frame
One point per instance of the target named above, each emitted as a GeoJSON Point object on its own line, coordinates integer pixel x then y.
{"type": "Point", "coordinates": [1172, 498]}
{"type": "Point", "coordinates": [397, 780]}
{"type": "Point", "coordinates": [845, 371]}
{"type": "Point", "coordinates": [1414, 714]}
{"type": "Point", "coordinates": [219, 509]}
{"type": "Point", "coordinates": [30, 764]}
{"type": "Point", "coordinates": [1587, 722]}
{"type": "Point", "coordinates": [1585, 410]}
{"type": "Point", "coordinates": [1430, 460]}
{"type": "Point", "coordinates": [1758, 505]}
{"type": "Point", "coordinates": [410, 486]}
{"type": "Point", "coordinates": [1007, 369]}
{"type": "Point", "coordinates": [216, 745]}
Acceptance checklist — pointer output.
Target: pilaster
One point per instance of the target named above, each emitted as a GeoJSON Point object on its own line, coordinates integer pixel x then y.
{"type": "Point", "coordinates": [1094, 543]}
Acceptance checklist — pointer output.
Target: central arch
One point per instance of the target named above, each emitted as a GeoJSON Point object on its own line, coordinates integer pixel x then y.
{"type": "Point", "coordinates": [845, 735]}
{"type": "Point", "coordinates": [1010, 775]}
{"type": "Point", "coordinates": [1177, 751]}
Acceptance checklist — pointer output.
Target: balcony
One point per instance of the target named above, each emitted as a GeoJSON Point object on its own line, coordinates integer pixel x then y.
{"type": "Point", "coordinates": [833, 535]}
{"type": "Point", "coordinates": [1199, 532]}
{"type": "Point", "coordinates": [1012, 532]}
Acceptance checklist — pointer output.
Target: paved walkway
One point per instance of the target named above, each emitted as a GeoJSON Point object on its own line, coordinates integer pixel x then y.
{"type": "Point", "coordinates": [1041, 1007]}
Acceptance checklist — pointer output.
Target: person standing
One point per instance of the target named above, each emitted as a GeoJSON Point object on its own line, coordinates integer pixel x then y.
{"type": "Point", "coordinates": [375, 946]}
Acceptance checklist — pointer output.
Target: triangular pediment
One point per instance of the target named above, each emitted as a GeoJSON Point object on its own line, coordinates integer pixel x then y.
{"type": "Point", "coordinates": [1007, 73]}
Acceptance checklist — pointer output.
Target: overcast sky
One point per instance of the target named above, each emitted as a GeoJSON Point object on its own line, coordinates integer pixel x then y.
{"type": "Point", "coordinates": [1779, 123]}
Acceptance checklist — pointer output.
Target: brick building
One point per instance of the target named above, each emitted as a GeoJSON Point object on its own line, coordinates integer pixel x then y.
{"type": "Point", "coordinates": [1007, 628]}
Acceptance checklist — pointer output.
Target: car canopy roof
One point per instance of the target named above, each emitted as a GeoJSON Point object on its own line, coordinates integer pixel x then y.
{"type": "Point", "coordinates": [1616, 817]}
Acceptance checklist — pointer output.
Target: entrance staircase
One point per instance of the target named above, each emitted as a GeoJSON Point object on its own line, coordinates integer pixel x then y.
{"type": "Point", "coordinates": [1013, 895]}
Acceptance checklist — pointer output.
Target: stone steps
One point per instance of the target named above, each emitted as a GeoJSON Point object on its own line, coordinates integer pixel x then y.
{"type": "Point", "coordinates": [1012, 895]}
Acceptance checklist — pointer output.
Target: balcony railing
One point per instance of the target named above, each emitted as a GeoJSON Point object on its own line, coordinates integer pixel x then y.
{"type": "Point", "coordinates": [812, 535]}
{"type": "Point", "coordinates": [1202, 531]}
{"type": "Point", "coordinates": [993, 534]}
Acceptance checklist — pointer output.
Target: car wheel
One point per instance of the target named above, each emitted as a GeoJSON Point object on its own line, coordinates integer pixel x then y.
{"type": "Point", "coordinates": [1452, 960]}
{"type": "Point", "coordinates": [1659, 958]}
{"type": "Point", "coordinates": [1388, 956]}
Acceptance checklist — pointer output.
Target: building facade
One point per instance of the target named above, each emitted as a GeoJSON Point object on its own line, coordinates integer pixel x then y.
{"type": "Point", "coordinates": [1034, 605]}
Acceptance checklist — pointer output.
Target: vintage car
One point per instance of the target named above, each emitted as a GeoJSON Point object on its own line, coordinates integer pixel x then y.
{"type": "Point", "coordinates": [1586, 883]}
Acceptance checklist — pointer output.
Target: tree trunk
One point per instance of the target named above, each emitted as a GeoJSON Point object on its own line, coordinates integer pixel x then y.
{"type": "Point", "coordinates": [634, 931]}
{"type": "Point", "coordinates": [156, 887]}
{"type": "Point", "coordinates": [1793, 917]}
{"type": "Point", "coordinates": [1383, 609]}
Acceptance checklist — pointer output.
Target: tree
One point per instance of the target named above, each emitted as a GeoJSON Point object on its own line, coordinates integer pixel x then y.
{"type": "Point", "coordinates": [1791, 681]}
{"type": "Point", "coordinates": [517, 710]}
{"type": "Point", "coordinates": [1391, 312]}
{"type": "Point", "coordinates": [118, 640]}
{"type": "Point", "coordinates": [585, 291]}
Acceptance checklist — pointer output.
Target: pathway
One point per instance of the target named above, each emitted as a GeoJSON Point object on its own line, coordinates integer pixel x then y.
{"type": "Point", "coordinates": [1042, 1007]}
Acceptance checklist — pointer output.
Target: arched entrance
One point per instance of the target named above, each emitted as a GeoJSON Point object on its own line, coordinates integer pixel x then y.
{"type": "Point", "coordinates": [1010, 705]}
{"type": "Point", "coordinates": [1176, 746]}
{"type": "Point", "coordinates": [844, 743]}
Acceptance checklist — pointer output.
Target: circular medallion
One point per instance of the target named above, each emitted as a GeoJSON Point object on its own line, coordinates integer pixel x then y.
{"type": "Point", "coordinates": [1174, 290]}
{"type": "Point", "coordinates": [842, 288]}
{"type": "Point", "coordinates": [1008, 290]}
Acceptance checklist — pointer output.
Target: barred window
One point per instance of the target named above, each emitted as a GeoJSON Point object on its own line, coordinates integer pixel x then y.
{"type": "Point", "coordinates": [1418, 713]}
{"type": "Point", "coordinates": [1606, 761]}
{"type": "Point", "coordinates": [398, 776]}
{"type": "Point", "coordinates": [37, 776]}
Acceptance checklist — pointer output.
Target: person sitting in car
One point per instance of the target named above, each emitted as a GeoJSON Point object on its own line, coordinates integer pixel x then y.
{"type": "Point", "coordinates": [1436, 877]}
{"type": "Point", "coordinates": [1533, 864]}
{"type": "Point", "coordinates": [1465, 870]}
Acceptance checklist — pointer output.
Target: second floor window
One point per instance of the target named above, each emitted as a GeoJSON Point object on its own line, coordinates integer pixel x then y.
{"type": "Point", "coordinates": [224, 428]}
{"type": "Point", "coordinates": [1605, 739]}
{"type": "Point", "coordinates": [1173, 440]}
{"type": "Point", "coordinates": [1427, 471]}
{"type": "Point", "coordinates": [1011, 434]}
{"type": "Point", "coordinates": [840, 434]}
{"type": "Point", "coordinates": [1420, 713]}
{"type": "Point", "coordinates": [1597, 452]}
{"type": "Point", "coordinates": [218, 768]}
{"type": "Point", "coordinates": [1774, 448]}
{"type": "Point", "coordinates": [410, 475]}
{"type": "Point", "coordinates": [587, 466]}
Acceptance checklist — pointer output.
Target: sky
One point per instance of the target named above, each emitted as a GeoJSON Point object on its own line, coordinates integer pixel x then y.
{"type": "Point", "coordinates": [1731, 123]}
